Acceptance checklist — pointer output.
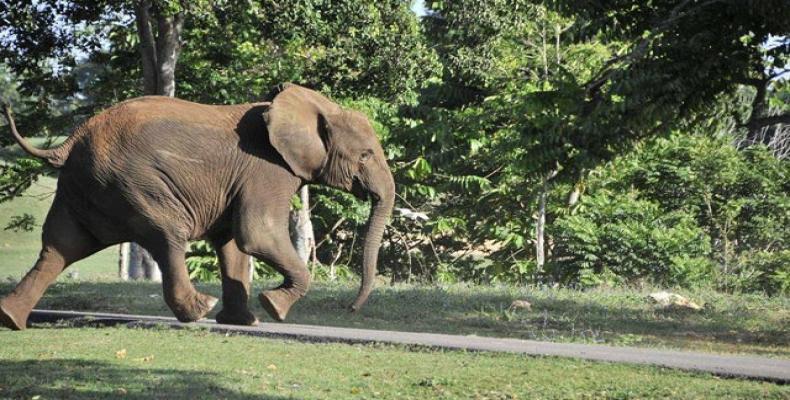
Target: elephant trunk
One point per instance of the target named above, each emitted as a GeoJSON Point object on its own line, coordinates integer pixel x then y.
{"type": "Point", "coordinates": [379, 215]}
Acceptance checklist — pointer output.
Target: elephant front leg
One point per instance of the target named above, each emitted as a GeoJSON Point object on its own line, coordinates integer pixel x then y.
{"type": "Point", "coordinates": [275, 248]}
{"type": "Point", "coordinates": [236, 276]}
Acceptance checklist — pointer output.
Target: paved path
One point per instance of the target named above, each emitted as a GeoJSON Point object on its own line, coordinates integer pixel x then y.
{"type": "Point", "coordinates": [769, 369]}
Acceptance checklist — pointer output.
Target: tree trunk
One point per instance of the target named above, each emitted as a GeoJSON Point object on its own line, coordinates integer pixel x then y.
{"type": "Point", "coordinates": [540, 256]}
{"type": "Point", "coordinates": [141, 265]}
{"type": "Point", "coordinates": [147, 46]}
{"type": "Point", "coordinates": [168, 45]}
{"type": "Point", "coordinates": [159, 54]}
{"type": "Point", "coordinates": [540, 225]}
{"type": "Point", "coordinates": [302, 228]}
{"type": "Point", "coordinates": [123, 261]}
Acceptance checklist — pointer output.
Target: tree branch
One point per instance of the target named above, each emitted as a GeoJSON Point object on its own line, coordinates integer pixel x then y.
{"type": "Point", "coordinates": [758, 123]}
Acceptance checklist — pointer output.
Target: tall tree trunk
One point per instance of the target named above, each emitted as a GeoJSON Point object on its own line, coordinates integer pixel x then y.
{"type": "Point", "coordinates": [540, 255]}
{"type": "Point", "coordinates": [302, 228]}
{"type": "Point", "coordinates": [159, 54]}
{"type": "Point", "coordinates": [168, 45]}
{"type": "Point", "coordinates": [147, 46]}
{"type": "Point", "coordinates": [123, 261]}
{"type": "Point", "coordinates": [540, 225]}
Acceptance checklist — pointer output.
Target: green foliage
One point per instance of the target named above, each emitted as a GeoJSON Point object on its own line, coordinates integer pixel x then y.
{"type": "Point", "coordinates": [16, 177]}
{"type": "Point", "coordinates": [760, 271]}
{"type": "Point", "coordinates": [740, 198]}
{"type": "Point", "coordinates": [25, 222]}
{"type": "Point", "coordinates": [674, 210]}
{"type": "Point", "coordinates": [630, 238]}
{"type": "Point", "coordinates": [345, 48]}
{"type": "Point", "coordinates": [202, 262]}
{"type": "Point", "coordinates": [203, 265]}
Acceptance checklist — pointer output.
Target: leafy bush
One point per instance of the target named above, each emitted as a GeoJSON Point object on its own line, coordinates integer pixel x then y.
{"type": "Point", "coordinates": [623, 236]}
{"type": "Point", "coordinates": [758, 271]}
{"type": "Point", "coordinates": [203, 266]}
{"type": "Point", "coordinates": [202, 262]}
{"type": "Point", "coordinates": [682, 210]}
{"type": "Point", "coordinates": [739, 197]}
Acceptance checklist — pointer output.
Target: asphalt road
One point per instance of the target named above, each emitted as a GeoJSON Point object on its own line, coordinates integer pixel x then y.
{"type": "Point", "coordinates": [760, 368]}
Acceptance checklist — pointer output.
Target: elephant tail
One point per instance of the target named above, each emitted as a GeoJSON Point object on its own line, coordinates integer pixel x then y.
{"type": "Point", "coordinates": [55, 157]}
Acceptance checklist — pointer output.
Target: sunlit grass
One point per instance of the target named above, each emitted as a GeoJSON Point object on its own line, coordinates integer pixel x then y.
{"type": "Point", "coordinates": [132, 363]}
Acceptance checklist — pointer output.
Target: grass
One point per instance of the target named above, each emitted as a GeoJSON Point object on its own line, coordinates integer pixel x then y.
{"type": "Point", "coordinates": [118, 362]}
{"type": "Point", "coordinates": [747, 324]}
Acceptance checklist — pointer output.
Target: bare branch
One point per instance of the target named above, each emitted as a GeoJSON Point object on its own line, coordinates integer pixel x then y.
{"type": "Point", "coordinates": [758, 123]}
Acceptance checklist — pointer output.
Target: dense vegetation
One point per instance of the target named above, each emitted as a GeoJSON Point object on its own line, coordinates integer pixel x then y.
{"type": "Point", "coordinates": [532, 141]}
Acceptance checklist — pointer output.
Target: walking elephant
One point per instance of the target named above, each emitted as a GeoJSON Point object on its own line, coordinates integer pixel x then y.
{"type": "Point", "coordinates": [161, 172]}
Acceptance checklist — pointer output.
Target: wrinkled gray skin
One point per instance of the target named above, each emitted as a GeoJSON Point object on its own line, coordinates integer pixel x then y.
{"type": "Point", "coordinates": [160, 172]}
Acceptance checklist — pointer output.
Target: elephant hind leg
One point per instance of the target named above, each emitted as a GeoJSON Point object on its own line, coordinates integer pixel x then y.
{"type": "Point", "coordinates": [236, 276]}
{"type": "Point", "coordinates": [184, 300]}
{"type": "Point", "coordinates": [64, 241]}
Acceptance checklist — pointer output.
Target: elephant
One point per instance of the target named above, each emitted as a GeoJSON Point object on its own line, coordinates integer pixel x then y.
{"type": "Point", "coordinates": [161, 171]}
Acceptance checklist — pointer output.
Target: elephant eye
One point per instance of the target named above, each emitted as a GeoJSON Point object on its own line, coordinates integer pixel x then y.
{"type": "Point", "coordinates": [365, 155]}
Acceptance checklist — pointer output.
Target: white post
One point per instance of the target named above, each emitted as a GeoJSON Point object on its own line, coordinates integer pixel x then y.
{"type": "Point", "coordinates": [123, 261]}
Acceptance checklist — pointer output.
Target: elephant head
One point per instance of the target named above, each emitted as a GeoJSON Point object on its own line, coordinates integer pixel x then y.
{"type": "Point", "coordinates": [324, 143]}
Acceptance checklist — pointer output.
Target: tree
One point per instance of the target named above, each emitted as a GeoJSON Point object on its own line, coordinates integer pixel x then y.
{"type": "Point", "coordinates": [675, 59]}
{"type": "Point", "coordinates": [302, 228]}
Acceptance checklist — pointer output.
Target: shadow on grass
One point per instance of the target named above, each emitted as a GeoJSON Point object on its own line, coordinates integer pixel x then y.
{"type": "Point", "coordinates": [79, 379]}
{"type": "Point", "coordinates": [619, 317]}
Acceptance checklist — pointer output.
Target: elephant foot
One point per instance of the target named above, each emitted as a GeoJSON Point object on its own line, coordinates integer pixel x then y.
{"type": "Point", "coordinates": [10, 319]}
{"type": "Point", "coordinates": [277, 303]}
{"type": "Point", "coordinates": [197, 308]}
{"type": "Point", "coordinates": [236, 317]}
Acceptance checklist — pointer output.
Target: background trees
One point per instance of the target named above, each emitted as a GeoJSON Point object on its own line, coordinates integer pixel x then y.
{"type": "Point", "coordinates": [552, 141]}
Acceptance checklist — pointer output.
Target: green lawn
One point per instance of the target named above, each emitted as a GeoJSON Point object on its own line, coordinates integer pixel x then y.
{"type": "Point", "coordinates": [55, 363]}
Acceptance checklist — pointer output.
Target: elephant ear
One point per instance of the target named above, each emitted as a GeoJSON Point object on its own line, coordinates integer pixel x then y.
{"type": "Point", "coordinates": [296, 121]}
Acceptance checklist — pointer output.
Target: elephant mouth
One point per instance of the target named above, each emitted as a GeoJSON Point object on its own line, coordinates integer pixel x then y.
{"type": "Point", "coordinates": [358, 190]}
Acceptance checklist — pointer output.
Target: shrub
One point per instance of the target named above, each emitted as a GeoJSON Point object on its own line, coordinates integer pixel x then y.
{"type": "Point", "coordinates": [203, 266]}
{"type": "Point", "coordinates": [759, 271]}
{"type": "Point", "coordinates": [621, 238]}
